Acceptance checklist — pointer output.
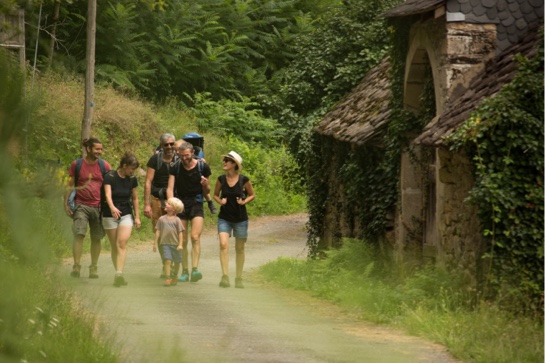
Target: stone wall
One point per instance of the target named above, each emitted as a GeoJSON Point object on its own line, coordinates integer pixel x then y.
{"type": "Point", "coordinates": [462, 244]}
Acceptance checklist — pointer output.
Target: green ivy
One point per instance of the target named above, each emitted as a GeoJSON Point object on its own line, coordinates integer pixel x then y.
{"type": "Point", "coordinates": [504, 138]}
{"type": "Point", "coordinates": [373, 173]}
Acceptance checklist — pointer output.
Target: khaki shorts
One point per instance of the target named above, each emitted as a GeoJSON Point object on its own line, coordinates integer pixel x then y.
{"type": "Point", "coordinates": [87, 216]}
{"type": "Point", "coordinates": [156, 211]}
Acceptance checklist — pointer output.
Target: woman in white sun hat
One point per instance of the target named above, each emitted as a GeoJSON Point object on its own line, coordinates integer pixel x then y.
{"type": "Point", "coordinates": [233, 191]}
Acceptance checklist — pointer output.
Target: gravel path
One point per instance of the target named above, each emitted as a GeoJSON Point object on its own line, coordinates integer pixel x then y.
{"type": "Point", "coordinates": [201, 322]}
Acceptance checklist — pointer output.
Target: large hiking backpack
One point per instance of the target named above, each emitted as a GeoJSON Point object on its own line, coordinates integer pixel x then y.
{"type": "Point", "coordinates": [198, 143]}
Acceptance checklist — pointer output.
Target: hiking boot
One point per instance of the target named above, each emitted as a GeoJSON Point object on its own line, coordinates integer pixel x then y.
{"type": "Point", "coordinates": [119, 281]}
{"type": "Point", "coordinates": [225, 281]}
{"type": "Point", "coordinates": [212, 208]}
{"type": "Point", "coordinates": [75, 270]}
{"type": "Point", "coordinates": [168, 281]}
{"type": "Point", "coordinates": [238, 283]}
{"type": "Point", "coordinates": [174, 281]}
{"type": "Point", "coordinates": [184, 277]}
{"type": "Point", "coordinates": [195, 275]}
{"type": "Point", "coordinates": [93, 272]}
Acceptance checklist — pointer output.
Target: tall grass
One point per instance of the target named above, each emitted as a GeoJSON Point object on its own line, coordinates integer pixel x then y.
{"type": "Point", "coordinates": [428, 302]}
{"type": "Point", "coordinates": [39, 319]}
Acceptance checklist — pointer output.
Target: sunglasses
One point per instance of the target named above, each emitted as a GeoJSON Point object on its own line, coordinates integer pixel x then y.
{"type": "Point", "coordinates": [168, 144]}
{"type": "Point", "coordinates": [226, 160]}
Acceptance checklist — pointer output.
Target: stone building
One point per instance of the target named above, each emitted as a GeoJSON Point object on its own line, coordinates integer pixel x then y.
{"type": "Point", "coordinates": [469, 45]}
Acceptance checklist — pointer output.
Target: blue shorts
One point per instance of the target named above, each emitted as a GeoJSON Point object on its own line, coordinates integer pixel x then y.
{"type": "Point", "coordinates": [171, 253]}
{"type": "Point", "coordinates": [239, 229]}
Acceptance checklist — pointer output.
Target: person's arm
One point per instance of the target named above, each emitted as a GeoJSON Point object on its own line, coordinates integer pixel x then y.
{"type": "Point", "coordinates": [70, 187]}
{"type": "Point", "coordinates": [137, 222]}
{"type": "Point", "coordinates": [116, 213]}
{"type": "Point", "coordinates": [156, 240]}
{"type": "Point", "coordinates": [180, 240]}
{"type": "Point", "coordinates": [250, 195]}
{"type": "Point", "coordinates": [150, 174]}
{"type": "Point", "coordinates": [170, 188]}
{"type": "Point", "coordinates": [217, 191]}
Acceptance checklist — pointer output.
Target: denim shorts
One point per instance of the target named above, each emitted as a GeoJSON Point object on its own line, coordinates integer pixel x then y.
{"type": "Point", "coordinates": [169, 252]}
{"type": "Point", "coordinates": [112, 223]}
{"type": "Point", "coordinates": [239, 229]}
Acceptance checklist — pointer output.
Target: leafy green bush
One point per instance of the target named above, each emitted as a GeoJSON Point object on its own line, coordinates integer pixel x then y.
{"type": "Point", "coordinates": [505, 139]}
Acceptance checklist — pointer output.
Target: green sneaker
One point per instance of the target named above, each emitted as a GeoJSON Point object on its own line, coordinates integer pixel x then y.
{"type": "Point", "coordinates": [195, 275]}
{"type": "Point", "coordinates": [184, 277]}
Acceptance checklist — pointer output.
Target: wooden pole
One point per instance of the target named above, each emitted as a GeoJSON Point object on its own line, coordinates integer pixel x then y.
{"type": "Point", "coordinates": [90, 73]}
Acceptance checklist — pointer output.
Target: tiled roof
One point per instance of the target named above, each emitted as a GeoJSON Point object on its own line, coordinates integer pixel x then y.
{"type": "Point", "coordinates": [411, 7]}
{"type": "Point", "coordinates": [364, 112]}
{"type": "Point", "coordinates": [513, 17]}
{"type": "Point", "coordinates": [497, 73]}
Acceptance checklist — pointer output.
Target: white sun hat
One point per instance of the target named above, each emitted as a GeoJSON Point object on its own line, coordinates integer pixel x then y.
{"type": "Point", "coordinates": [235, 157]}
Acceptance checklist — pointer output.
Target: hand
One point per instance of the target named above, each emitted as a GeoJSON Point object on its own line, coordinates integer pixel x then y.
{"type": "Point", "coordinates": [154, 248]}
{"type": "Point", "coordinates": [240, 201]}
{"type": "Point", "coordinates": [68, 211]}
{"type": "Point", "coordinates": [116, 213]}
{"type": "Point", "coordinates": [147, 211]}
{"type": "Point", "coordinates": [179, 248]}
{"type": "Point", "coordinates": [223, 201]}
{"type": "Point", "coordinates": [137, 223]}
{"type": "Point", "coordinates": [204, 181]}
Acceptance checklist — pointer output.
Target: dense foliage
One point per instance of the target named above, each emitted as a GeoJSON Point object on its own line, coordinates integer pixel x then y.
{"type": "Point", "coordinates": [372, 172]}
{"type": "Point", "coordinates": [505, 139]}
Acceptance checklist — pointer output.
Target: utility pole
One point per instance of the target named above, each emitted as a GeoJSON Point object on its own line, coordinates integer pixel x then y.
{"type": "Point", "coordinates": [89, 73]}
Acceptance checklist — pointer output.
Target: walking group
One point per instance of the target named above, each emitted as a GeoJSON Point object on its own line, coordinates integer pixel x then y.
{"type": "Point", "coordinates": [177, 184]}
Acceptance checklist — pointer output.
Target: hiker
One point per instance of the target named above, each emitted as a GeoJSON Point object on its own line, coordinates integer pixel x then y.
{"type": "Point", "coordinates": [198, 153]}
{"type": "Point", "coordinates": [169, 239]}
{"type": "Point", "coordinates": [157, 174]}
{"type": "Point", "coordinates": [118, 219]}
{"type": "Point", "coordinates": [233, 191]}
{"type": "Point", "coordinates": [190, 180]}
{"type": "Point", "coordinates": [86, 175]}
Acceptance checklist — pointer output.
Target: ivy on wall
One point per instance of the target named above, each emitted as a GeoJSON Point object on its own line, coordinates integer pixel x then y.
{"type": "Point", "coordinates": [504, 138]}
{"type": "Point", "coordinates": [370, 175]}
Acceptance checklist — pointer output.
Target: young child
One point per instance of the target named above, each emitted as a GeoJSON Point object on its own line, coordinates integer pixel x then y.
{"type": "Point", "coordinates": [168, 236]}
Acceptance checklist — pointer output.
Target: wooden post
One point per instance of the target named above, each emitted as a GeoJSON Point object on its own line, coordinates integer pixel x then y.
{"type": "Point", "coordinates": [90, 73]}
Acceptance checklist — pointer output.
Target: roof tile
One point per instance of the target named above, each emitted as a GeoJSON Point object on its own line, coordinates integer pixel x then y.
{"type": "Point", "coordinates": [496, 74]}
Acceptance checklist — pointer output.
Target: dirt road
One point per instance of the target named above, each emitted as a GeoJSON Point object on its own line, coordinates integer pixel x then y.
{"type": "Point", "coordinates": [201, 322]}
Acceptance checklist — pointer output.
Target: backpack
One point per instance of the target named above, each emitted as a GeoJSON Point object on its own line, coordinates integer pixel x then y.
{"type": "Point", "coordinates": [198, 153]}
{"type": "Point", "coordinates": [72, 196]}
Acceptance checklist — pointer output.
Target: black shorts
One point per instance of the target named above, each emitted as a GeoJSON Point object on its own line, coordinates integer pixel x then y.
{"type": "Point", "coordinates": [192, 209]}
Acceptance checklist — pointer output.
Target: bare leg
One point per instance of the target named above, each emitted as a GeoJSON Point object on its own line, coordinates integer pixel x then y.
{"type": "Point", "coordinates": [123, 235]}
{"type": "Point", "coordinates": [112, 237]}
{"type": "Point", "coordinates": [77, 248]}
{"type": "Point", "coordinates": [185, 252]}
{"type": "Point", "coordinates": [239, 247]}
{"type": "Point", "coordinates": [196, 230]}
{"type": "Point", "coordinates": [224, 252]}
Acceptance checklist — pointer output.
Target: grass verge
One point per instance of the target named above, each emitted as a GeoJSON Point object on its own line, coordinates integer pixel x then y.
{"type": "Point", "coordinates": [429, 303]}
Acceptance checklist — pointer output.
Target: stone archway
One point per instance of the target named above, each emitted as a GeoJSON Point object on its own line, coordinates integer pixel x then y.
{"type": "Point", "coordinates": [417, 228]}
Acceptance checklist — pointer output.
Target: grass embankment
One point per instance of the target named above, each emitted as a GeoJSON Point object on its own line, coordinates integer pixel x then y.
{"type": "Point", "coordinates": [430, 303]}
{"type": "Point", "coordinates": [40, 319]}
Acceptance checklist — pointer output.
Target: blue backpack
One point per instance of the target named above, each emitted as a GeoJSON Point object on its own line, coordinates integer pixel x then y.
{"type": "Point", "coordinates": [72, 196]}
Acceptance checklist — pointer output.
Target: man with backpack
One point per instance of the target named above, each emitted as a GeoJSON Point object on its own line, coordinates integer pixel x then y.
{"type": "Point", "coordinates": [157, 174]}
{"type": "Point", "coordinates": [190, 180]}
{"type": "Point", "coordinates": [87, 176]}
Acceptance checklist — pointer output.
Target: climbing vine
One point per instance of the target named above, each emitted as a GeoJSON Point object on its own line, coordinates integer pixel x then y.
{"type": "Point", "coordinates": [504, 137]}
{"type": "Point", "coordinates": [370, 174]}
